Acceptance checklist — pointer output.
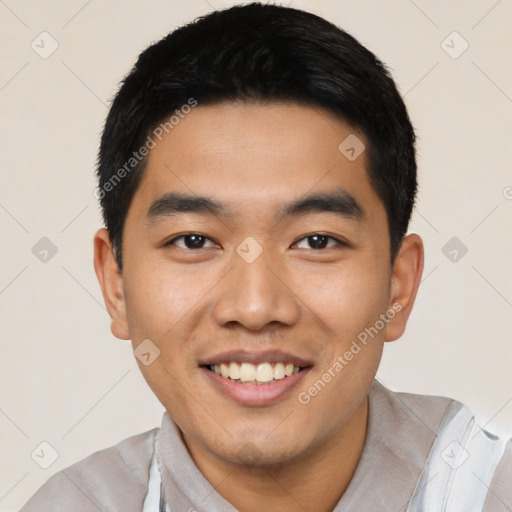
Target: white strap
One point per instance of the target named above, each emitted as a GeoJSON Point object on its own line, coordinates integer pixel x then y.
{"type": "Point", "coordinates": [460, 466]}
{"type": "Point", "coordinates": [152, 500]}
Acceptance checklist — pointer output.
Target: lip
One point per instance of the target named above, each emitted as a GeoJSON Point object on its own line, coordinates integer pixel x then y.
{"type": "Point", "coordinates": [267, 356]}
{"type": "Point", "coordinates": [254, 395]}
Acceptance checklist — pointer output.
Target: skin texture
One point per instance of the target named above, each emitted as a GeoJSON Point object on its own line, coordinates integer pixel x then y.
{"type": "Point", "coordinates": [196, 303]}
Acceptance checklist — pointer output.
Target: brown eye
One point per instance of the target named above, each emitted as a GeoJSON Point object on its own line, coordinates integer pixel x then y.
{"type": "Point", "coordinates": [317, 242]}
{"type": "Point", "coordinates": [191, 241]}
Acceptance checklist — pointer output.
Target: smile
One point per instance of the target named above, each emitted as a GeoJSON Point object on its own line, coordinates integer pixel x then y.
{"type": "Point", "coordinates": [263, 373]}
{"type": "Point", "coordinates": [258, 383]}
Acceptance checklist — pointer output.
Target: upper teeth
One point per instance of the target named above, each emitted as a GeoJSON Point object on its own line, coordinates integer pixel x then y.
{"type": "Point", "coordinates": [247, 372]}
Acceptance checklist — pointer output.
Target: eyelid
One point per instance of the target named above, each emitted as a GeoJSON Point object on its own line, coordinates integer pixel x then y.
{"type": "Point", "coordinates": [182, 235]}
{"type": "Point", "coordinates": [339, 242]}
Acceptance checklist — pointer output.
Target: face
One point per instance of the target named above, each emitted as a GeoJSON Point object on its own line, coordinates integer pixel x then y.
{"type": "Point", "coordinates": [255, 255]}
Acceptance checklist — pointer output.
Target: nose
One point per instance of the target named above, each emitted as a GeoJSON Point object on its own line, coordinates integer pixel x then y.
{"type": "Point", "coordinates": [255, 295]}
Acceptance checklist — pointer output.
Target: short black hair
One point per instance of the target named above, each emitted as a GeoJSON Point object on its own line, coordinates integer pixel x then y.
{"type": "Point", "coordinates": [258, 53]}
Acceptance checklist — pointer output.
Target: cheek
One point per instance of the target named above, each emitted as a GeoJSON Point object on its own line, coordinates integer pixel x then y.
{"type": "Point", "coordinates": [158, 296]}
{"type": "Point", "coordinates": [347, 298]}
{"type": "Point", "coordinates": [350, 304]}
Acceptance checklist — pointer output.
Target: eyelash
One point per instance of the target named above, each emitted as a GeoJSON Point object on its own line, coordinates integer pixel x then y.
{"type": "Point", "coordinates": [329, 238]}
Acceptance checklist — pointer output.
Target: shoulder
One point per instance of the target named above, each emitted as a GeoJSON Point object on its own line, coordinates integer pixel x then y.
{"type": "Point", "coordinates": [500, 490]}
{"type": "Point", "coordinates": [412, 413]}
{"type": "Point", "coordinates": [467, 468]}
{"type": "Point", "coordinates": [115, 478]}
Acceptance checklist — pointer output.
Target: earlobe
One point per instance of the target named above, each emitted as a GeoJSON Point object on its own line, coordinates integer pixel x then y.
{"type": "Point", "coordinates": [111, 283]}
{"type": "Point", "coordinates": [405, 281]}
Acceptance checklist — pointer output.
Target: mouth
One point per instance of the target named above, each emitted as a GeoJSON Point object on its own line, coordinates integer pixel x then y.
{"type": "Point", "coordinates": [255, 379]}
{"type": "Point", "coordinates": [257, 374]}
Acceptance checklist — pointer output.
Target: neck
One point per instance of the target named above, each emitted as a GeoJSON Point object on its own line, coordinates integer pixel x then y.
{"type": "Point", "coordinates": [315, 482]}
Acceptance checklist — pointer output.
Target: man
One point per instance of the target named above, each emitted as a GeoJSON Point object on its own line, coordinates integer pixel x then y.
{"type": "Point", "coordinates": [257, 176]}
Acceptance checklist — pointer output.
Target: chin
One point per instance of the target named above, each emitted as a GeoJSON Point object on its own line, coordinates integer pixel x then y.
{"type": "Point", "coordinates": [261, 455]}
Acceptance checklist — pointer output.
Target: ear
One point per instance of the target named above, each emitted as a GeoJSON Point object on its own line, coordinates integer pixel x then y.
{"type": "Point", "coordinates": [111, 282]}
{"type": "Point", "coordinates": [405, 281]}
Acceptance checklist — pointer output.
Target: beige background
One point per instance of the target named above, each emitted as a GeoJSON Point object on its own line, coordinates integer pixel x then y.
{"type": "Point", "coordinates": [67, 381]}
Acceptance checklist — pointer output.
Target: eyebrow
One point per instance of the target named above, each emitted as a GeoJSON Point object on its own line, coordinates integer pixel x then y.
{"type": "Point", "coordinates": [338, 201]}
{"type": "Point", "coordinates": [174, 203]}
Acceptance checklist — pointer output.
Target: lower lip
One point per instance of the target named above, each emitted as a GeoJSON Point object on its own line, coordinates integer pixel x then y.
{"type": "Point", "coordinates": [255, 394]}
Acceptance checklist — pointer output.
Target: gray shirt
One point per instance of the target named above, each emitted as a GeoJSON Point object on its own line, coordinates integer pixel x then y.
{"type": "Point", "coordinates": [408, 462]}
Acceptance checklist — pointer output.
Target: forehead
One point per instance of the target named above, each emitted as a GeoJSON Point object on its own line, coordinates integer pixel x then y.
{"type": "Point", "coordinates": [253, 155]}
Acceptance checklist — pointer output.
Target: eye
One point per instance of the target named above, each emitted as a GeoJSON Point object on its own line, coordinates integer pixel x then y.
{"type": "Point", "coordinates": [191, 241]}
{"type": "Point", "coordinates": [317, 241]}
